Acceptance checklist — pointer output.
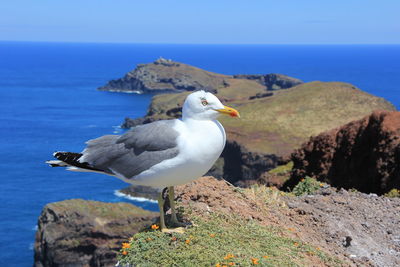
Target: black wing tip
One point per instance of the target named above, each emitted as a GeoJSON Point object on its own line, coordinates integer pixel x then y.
{"type": "Point", "coordinates": [67, 157]}
{"type": "Point", "coordinates": [72, 159]}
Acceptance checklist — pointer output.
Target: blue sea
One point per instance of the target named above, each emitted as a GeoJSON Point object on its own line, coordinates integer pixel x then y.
{"type": "Point", "coordinates": [49, 102]}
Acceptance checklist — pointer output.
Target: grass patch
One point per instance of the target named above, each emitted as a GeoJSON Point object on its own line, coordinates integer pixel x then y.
{"type": "Point", "coordinates": [220, 240]}
{"type": "Point", "coordinates": [393, 193]}
{"type": "Point", "coordinates": [282, 169]}
{"type": "Point", "coordinates": [307, 186]}
{"type": "Point", "coordinates": [265, 196]}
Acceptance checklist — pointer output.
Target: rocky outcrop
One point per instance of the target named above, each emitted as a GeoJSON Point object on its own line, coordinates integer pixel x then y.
{"type": "Point", "coordinates": [272, 81]}
{"type": "Point", "coordinates": [361, 229]}
{"type": "Point", "coordinates": [129, 122]}
{"type": "Point", "coordinates": [242, 167]}
{"type": "Point", "coordinates": [163, 76]}
{"type": "Point", "coordinates": [363, 154]}
{"type": "Point", "coordinates": [167, 76]}
{"type": "Point", "coordinates": [86, 233]}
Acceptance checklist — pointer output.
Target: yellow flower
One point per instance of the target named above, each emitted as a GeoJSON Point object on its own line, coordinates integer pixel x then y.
{"type": "Point", "coordinates": [318, 248]}
{"type": "Point", "coordinates": [155, 226]}
{"type": "Point", "coordinates": [229, 256]}
{"type": "Point", "coordinates": [254, 261]}
{"type": "Point", "coordinates": [126, 245]}
{"type": "Point", "coordinates": [265, 257]}
{"type": "Point", "coordinates": [231, 264]}
{"type": "Point", "coordinates": [124, 252]}
{"type": "Point", "coordinates": [321, 184]}
{"type": "Point", "coordinates": [217, 265]}
{"type": "Point", "coordinates": [187, 241]}
{"type": "Point", "coordinates": [212, 235]}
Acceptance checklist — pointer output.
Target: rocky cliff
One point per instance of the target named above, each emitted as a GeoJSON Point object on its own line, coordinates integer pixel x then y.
{"type": "Point", "coordinates": [86, 233]}
{"type": "Point", "coordinates": [272, 81]}
{"type": "Point", "coordinates": [363, 154]}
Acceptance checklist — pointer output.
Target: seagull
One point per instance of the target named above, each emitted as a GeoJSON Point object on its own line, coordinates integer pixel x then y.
{"type": "Point", "coordinates": [161, 154]}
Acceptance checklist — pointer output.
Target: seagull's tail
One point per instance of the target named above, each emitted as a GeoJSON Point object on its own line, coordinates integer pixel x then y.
{"type": "Point", "coordinates": [71, 161]}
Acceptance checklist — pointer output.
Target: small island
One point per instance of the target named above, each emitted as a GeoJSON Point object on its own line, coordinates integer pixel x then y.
{"type": "Point", "coordinates": [167, 76]}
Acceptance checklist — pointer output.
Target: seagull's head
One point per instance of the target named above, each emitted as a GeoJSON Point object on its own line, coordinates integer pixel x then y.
{"type": "Point", "coordinates": [202, 105]}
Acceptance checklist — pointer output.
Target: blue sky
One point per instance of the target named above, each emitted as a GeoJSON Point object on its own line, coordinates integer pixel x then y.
{"type": "Point", "coordinates": [205, 21]}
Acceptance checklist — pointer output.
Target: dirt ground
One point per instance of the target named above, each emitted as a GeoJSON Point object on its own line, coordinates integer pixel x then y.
{"type": "Point", "coordinates": [360, 229]}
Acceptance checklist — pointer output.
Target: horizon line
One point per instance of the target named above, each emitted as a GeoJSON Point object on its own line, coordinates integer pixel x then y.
{"type": "Point", "coordinates": [148, 43]}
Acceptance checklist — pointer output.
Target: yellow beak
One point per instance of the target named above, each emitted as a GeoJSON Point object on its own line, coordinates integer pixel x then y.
{"type": "Point", "coordinates": [229, 111]}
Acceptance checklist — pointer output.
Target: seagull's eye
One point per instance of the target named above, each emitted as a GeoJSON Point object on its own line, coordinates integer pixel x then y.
{"type": "Point", "coordinates": [204, 102]}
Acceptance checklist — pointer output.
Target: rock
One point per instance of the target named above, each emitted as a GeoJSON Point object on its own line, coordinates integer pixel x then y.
{"type": "Point", "coordinates": [349, 228]}
{"type": "Point", "coordinates": [166, 62]}
{"type": "Point", "coordinates": [318, 219]}
{"type": "Point", "coordinates": [129, 123]}
{"type": "Point", "coordinates": [260, 95]}
{"type": "Point", "coordinates": [272, 81]}
{"type": "Point", "coordinates": [86, 233]}
{"type": "Point", "coordinates": [363, 154]}
{"type": "Point", "coordinates": [163, 76]}
{"type": "Point", "coordinates": [347, 241]}
{"type": "Point", "coordinates": [243, 165]}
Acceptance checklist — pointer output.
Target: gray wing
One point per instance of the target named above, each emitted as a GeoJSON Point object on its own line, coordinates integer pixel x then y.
{"type": "Point", "coordinates": [134, 152]}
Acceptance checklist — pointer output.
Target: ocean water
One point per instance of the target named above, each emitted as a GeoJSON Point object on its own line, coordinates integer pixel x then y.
{"type": "Point", "coordinates": [49, 102]}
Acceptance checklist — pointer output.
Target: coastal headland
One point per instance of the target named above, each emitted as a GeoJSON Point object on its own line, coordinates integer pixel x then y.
{"type": "Point", "coordinates": [310, 137]}
{"type": "Point", "coordinates": [279, 113]}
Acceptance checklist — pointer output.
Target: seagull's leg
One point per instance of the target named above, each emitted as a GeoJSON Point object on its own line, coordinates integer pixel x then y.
{"type": "Point", "coordinates": [161, 207]}
{"type": "Point", "coordinates": [163, 228]}
{"type": "Point", "coordinates": [171, 196]}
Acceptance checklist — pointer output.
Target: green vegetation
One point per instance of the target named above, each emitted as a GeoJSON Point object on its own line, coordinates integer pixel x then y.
{"type": "Point", "coordinates": [282, 169]}
{"type": "Point", "coordinates": [280, 123]}
{"type": "Point", "coordinates": [393, 193]}
{"type": "Point", "coordinates": [221, 240]}
{"type": "Point", "coordinates": [98, 209]}
{"type": "Point", "coordinates": [307, 186]}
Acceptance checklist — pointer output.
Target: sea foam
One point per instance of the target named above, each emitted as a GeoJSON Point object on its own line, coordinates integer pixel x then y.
{"type": "Point", "coordinates": [139, 199]}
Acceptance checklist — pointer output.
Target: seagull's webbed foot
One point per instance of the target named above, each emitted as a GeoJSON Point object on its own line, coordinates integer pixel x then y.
{"type": "Point", "coordinates": [179, 230]}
